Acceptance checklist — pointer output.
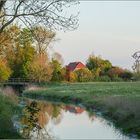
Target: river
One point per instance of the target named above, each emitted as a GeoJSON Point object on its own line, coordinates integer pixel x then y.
{"type": "Point", "coordinates": [47, 120]}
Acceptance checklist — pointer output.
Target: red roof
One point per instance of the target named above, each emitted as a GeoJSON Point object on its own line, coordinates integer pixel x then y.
{"type": "Point", "coordinates": [74, 109]}
{"type": "Point", "coordinates": [75, 65]}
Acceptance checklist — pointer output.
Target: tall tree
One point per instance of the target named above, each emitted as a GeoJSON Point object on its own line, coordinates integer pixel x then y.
{"type": "Point", "coordinates": [16, 47]}
{"type": "Point", "coordinates": [40, 69]}
{"type": "Point", "coordinates": [49, 13]}
{"type": "Point", "coordinates": [57, 70]}
{"type": "Point", "coordinates": [42, 38]}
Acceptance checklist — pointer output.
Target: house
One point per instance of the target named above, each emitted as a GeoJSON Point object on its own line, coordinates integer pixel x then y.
{"type": "Point", "coordinates": [75, 66]}
{"type": "Point", "coordinates": [72, 67]}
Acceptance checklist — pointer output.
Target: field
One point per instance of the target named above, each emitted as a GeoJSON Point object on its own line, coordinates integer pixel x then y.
{"type": "Point", "coordinates": [118, 101]}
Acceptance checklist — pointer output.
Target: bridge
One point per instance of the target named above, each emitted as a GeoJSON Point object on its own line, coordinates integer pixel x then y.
{"type": "Point", "coordinates": [18, 81]}
{"type": "Point", "coordinates": [18, 84]}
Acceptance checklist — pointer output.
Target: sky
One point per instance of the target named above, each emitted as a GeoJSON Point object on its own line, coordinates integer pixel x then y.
{"type": "Point", "coordinates": [107, 29]}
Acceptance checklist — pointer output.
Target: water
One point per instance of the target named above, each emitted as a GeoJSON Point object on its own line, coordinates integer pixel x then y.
{"type": "Point", "coordinates": [45, 120]}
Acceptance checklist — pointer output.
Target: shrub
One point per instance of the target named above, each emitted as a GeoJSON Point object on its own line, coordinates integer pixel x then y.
{"type": "Point", "coordinates": [56, 74]}
{"type": "Point", "coordinates": [136, 77]}
{"type": "Point", "coordinates": [127, 75]}
{"type": "Point", "coordinates": [104, 78]}
{"type": "Point", "coordinates": [117, 79]}
{"type": "Point", "coordinates": [72, 77]}
{"type": "Point", "coordinates": [115, 72]}
{"type": "Point", "coordinates": [83, 75]}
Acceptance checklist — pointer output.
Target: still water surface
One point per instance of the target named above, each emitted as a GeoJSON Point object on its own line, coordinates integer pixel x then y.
{"type": "Point", "coordinates": [45, 120]}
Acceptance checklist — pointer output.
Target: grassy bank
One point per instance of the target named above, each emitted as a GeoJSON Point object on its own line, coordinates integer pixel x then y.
{"type": "Point", "coordinates": [8, 106]}
{"type": "Point", "coordinates": [120, 101]}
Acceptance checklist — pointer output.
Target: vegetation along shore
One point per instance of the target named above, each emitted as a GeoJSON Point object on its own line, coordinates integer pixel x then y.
{"type": "Point", "coordinates": [8, 107]}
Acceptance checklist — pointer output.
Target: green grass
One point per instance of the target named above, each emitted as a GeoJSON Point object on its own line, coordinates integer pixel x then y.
{"type": "Point", "coordinates": [8, 106]}
{"type": "Point", "coordinates": [119, 101]}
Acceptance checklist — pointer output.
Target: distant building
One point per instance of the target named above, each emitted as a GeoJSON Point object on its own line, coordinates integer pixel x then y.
{"type": "Point", "coordinates": [72, 67]}
{"type": "Point", "coordinates": [75, 66]}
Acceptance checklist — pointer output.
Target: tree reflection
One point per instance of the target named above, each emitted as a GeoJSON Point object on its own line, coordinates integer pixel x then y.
{"type": "Point", "coordinates": [36, 116]}
{"type": "Point", "coordinates": [74, 109]}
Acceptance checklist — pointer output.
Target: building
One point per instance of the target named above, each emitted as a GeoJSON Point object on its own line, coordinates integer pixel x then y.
{"type": "Point", "coordinates": [72, 67]}
{"type": "Point", "coordinates": [75, 66]}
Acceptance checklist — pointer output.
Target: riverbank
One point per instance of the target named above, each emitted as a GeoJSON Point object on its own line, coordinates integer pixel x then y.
{"type": "Point", "coordinates": [118, 101]}
{"type": "Point", "coordinates": [8, 107]}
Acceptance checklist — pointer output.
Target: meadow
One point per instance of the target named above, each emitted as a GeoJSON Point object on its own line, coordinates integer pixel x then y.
{"type": "Point", "coordinates": [117, 101]}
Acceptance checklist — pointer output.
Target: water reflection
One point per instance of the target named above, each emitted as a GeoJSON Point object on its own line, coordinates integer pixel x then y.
{"type": "Point", "coordinates": [44, 120]}
{"type": "Point", "coordinates": [73, 109]}
{"type": "Point", "coordinates": [36, 116]}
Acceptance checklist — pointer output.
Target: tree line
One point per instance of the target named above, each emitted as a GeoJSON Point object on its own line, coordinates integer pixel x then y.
{"type": "Point", "coordinates": [23, 47]}
{"type": "Point", "coordinates": [99, 69]}
{"type": "Point", "coordinates": [23, 53]}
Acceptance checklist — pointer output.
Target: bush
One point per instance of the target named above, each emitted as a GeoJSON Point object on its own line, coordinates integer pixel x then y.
{"type": "Point", "coordinates": [116, 79]}
{"type": "Point", "coordinates": [115, 72]}
{"type": "Point", "coordinates": [127, 75]}
{"type": "Point", "coordinates": [136, 77]}
{"type": "Point", "coordinates": [72, 77]}
{"type": "Point", "coordinates": [104, 78]}
{"type": "Point", "coordinates": [83, 75]}
{"type": "Point", "coordinates": [57, 69]}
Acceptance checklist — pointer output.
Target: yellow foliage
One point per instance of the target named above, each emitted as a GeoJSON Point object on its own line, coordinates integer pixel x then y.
{"type": "Point", "coordinates": [5, 71]}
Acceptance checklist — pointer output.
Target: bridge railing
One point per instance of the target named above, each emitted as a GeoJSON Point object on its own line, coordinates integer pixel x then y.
{"type": "Point", "coordinates": [18, 80]}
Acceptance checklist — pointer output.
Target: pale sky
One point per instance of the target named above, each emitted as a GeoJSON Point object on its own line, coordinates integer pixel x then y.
{"type": "Point", "coordinates": [110, 29]}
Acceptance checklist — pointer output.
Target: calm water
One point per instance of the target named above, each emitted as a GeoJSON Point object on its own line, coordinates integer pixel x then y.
{"type": "Point", "coordinates": [42, 120]}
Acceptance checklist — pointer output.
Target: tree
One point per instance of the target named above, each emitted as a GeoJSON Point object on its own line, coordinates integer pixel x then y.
{"type": "Point", "coordinates": [40, 69]}
{"type": "Point", "coordinates": [35, 12]}
{"type": "Point", "coordinates": [57, 71]}
{"type": "Point", "coordinates": [20, 53]}
{"type": "Point", "coordinates": [5, 71]}
{"type": "Point", "coordinates": [42, 38]}
{"type": "Point", "coordinates": [19, 65]}
{"type": "Point", "coordinates": [8, 40]}
{"type": "Point", "coordinates": [115, 72]}
{"type": "Point", "coordinates": [98, 65]}
{"type": "Point", "coordinates": [20, 49]}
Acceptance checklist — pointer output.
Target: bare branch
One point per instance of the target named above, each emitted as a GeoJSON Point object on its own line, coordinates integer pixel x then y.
{"type": "Point", "coordinates": [35, 12]}
{"type": "Point", "coordinates": [136, 66]}
{"type": "Point", "coordinates": [13, 18]}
